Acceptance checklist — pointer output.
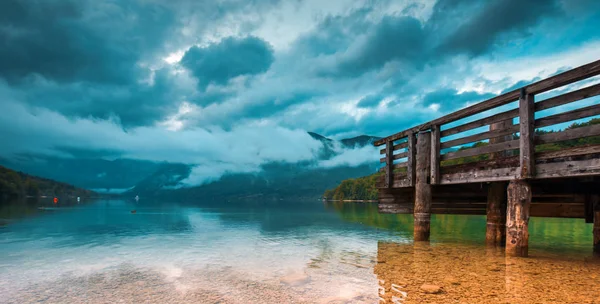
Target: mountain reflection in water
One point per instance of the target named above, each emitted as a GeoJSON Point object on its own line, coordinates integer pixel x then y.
{"type": "Point", "coordinates": [278, 252]}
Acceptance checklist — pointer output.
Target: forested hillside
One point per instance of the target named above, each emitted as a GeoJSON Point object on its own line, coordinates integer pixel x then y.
{"type": "Point", "coordinates": [14, 185]}
{"type": "Point", "coordinates": [364, 188]}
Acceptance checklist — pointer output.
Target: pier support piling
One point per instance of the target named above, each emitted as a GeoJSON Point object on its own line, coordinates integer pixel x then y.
{"type": "Point", "coordinates": [596, 230]}
{"type": "Point", "coordinates": [517, 218]}
{"type": "Point", "coordinates": [495, 235]}
{"type": "Point", "coordinates": [422, 210]}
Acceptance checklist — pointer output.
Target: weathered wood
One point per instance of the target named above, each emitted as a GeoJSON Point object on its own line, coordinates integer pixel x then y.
{"type": "Point", "coordinates": [573, 168]}
{"type": "Point", "coordinates": [394, 137]}
{"type": "Point", "coordinates": [568, 152]}
{"type": "Point", "coordinates": [526, 147]}
{"type": "Point", "coordinates": [389, 166]}
{"type": "Point", "coordinates": [400, 155]}
{"type": "Point", "coordinates": [517, 218]}
{"type": "Point", "coordinates": [422, 209]}
{"type": "Point", "coordinates": [507, 145]}
{"type": "Point", "coordinates": [564, 210]}
{"type": "Point", "coordinates": [582, 72]}
{"type": "Point", "coordinates": [411, 161]}
{"type": "Point", "coordinates": [596, 229]}
{"type": "Point", "coordinates": [508, 130]}
{"type": "Point", "coordinates": [481, 122]}
{"type": "Point", "coordinates": [494, 163]}
{"type": "Point", "coordinates": [481, 136]}
{"type": "Point", "coordinates": [495, 234]}
{"type": "Point", "coordinates": [590, 201]}
{"type": "Point", "coordinates": [435, 154]}
{"type": "Point", "coordinates": [592, 110]}
{"type": "Point", "coordinates": [478, 176]}
{"type": "Point", "coordinates": [560, 100]}
{"type": "Point", "coordinates": [395, 166]}
{"type": "Point", "coordinates": [458, 211]}
{"type": "Point", "coordinates": [397, 147]}
{"type": "Point", "coordinates": [581, 132]}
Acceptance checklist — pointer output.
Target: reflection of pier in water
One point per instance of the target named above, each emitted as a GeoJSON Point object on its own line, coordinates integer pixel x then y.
{"type": "Point", "coordinates": [479, 161]}
{"type": "Point", "coordinates": [470, 274]}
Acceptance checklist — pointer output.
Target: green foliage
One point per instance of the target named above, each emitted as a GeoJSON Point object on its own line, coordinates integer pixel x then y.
{"type": "Point", "coordinates": [18, 185]}
{"type": "Point", "coordinates": [362, 188]}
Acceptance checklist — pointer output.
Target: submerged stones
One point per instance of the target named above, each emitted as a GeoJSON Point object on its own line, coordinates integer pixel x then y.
{"type": "Point", "coordinates": [431, 289]}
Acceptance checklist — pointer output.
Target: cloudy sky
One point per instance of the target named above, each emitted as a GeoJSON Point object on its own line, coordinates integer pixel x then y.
{"type": "Point", "coordinates": [238, 82]}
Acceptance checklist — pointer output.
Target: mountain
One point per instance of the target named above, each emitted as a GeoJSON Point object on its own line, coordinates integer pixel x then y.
{"type": "Point", "coordinates": [359, 141]}
{"type": "Point", "coordinates": [90, 173]}
{"type": "Point", "coordinates": [130, 177]}
{"type": "Point", "coordinates": [16, 185]}
{"type": "Point", "coordinates": [275, 181]}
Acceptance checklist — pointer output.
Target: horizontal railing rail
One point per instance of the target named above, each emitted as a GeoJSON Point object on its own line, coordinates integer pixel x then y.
{"type": "Point", "coordinates": [506, 150]}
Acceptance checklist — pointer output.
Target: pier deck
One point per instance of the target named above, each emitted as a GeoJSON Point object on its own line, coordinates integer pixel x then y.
{"type": "Point", "coordinates": [509, 157]}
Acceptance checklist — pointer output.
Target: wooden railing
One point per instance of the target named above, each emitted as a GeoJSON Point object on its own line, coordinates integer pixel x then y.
{"type": "Point", "coordinates": [505, 155]}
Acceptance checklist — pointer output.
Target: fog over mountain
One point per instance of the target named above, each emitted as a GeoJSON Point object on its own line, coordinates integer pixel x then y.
{"type": "Point", "coordinates": [160, 95]}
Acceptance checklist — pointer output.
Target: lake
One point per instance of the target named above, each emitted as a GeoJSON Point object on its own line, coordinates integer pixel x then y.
{"type": "Point", "coordinates": [279, 252]}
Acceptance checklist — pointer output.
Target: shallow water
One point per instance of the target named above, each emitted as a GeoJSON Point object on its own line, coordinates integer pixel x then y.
{"type": "Point", "coordinates": [283, 252]}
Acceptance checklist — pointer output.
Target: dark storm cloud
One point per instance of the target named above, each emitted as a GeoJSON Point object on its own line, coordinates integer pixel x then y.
{"type": "Point", "coordinates": [469, 27]}
{"type": "Point", "coordinates": [134, 105]}
{"type": "Point", "coordinates": [232, 57]}
{"type": "Point", "coordinates": [370, 101]}
{"type": "Point", "coordinates": [394, 38]}
{"type": "Point", "coordinates": [68, 41]}
{"type": "Point", "coordinates": [497, 17]}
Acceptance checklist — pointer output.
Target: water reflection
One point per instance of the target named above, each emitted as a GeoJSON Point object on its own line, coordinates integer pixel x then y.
{"type": "Point", "coordinates": [462, 273]}
{"type": "Point", "coordinates": [277, 252]}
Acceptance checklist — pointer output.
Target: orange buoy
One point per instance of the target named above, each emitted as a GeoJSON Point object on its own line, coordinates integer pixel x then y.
{"type": "Point", "coordinates": [55, 200]}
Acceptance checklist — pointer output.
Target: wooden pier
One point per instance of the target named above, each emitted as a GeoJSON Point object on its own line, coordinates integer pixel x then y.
{"type": "Point", "coordinates": [495, 158]}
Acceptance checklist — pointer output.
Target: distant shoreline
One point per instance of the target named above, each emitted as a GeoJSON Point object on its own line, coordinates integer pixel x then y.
{"type": "Point", "coordinates": [352, 201]}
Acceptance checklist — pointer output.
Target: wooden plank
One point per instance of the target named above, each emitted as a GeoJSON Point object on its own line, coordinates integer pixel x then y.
{"type": "Point", "coordinates": [507, 145]}
{"type": "Point", "coordinates": [411, 161]}
{"type": "Point", "coordinates": [585, 71]}
{"type": "Point", "coordinates": [564, 210]}
{"type": "Point", "coordinates": [397, 147]}
{"type": "Point", "coordinates": [435, 154]}
{"type": "Point", "coordinates": [394, 137]}
{"type": "Point", "coordinates": [494, 163]}
{"type": "Point", "coordinates": [526, 147]}
{"type": "Point", "coordinates": [569, 152]}
{"type": "Point", "coordinates": [480, 136]}
{"type": "Point", "coordinates": [560, 100]}
{"type": "Point", "coordinates": [581, 132]}
{"type": "Point", "coordinates": [389, 169]}
{"type": "Point", "coordinates": [422, 209]}
{"type": "Point", "coordinates": [400, 155]}
{"type": "Point", "coordinates": [481, 122]}
{"type": "Point", "coordinates": [458, 211]}
{"type": "Point", "coordinates": [476, 176]}
{"type": "Point", "coordinates": [568, 116]}
{"type": "Point", "coordinates": [569, 168]}
{"type": "Point", "coordinates": [396, 166]}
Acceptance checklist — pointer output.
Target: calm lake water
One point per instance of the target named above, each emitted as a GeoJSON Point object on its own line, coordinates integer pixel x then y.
{"type": "Point", "coordinates": [283, 252]}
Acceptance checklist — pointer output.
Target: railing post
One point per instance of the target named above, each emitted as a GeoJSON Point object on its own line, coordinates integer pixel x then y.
{"type": "Point", "coordinates": [422, 210]}
{"type": "Point", "coordinates": [526, 129]}
{"type": "Point", "coordinates": [389, 164]}
{"type": "Point", "coordinates": [435, 154]}
{"type": "Point", "coordinates": [411, 160]}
